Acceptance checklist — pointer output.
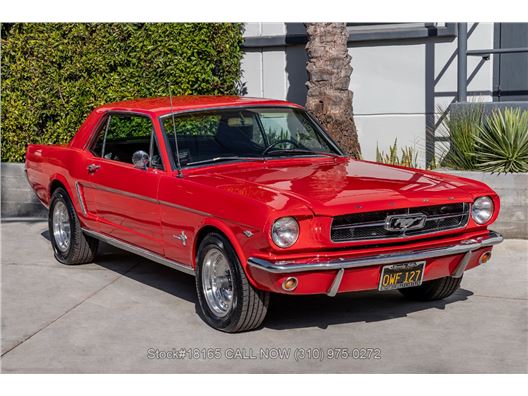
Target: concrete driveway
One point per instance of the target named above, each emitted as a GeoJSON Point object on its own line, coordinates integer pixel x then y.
{"type": "Point", "coordinates": [127, 314]}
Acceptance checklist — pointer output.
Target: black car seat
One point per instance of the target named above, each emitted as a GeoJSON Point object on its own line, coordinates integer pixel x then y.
{"type": "Point", "coordinates": [237, 139]}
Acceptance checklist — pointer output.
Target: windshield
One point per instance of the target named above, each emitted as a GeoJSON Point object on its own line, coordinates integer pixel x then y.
{"type": "Point", "coordinates": [249, 133]}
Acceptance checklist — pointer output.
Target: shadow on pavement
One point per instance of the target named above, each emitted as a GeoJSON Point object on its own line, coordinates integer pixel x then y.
{"type": "Point", "coordinates": [148, 272]}
{"type": "Point", "coordinates": [286, 312]}
{"type": "Point", "coordinates": [30, 220]}
{"type": "Point", "coordinates": [46, 235]}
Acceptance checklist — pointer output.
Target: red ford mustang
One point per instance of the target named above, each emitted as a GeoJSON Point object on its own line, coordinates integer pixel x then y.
{"type": "Point", "coordinates": [252, 196]}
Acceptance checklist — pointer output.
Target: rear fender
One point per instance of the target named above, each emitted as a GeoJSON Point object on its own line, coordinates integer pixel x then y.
{"type": "Point", "coordinates": [57, 177]}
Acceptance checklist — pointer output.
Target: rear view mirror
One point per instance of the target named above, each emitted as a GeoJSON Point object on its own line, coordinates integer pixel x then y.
{"type": "Point", "coordinates": [140, 159]}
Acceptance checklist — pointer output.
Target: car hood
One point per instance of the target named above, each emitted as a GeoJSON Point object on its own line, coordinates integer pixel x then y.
{"type": "Point", "coordinates": [341, 185]}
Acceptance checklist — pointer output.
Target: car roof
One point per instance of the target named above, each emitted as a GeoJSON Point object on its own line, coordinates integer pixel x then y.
{"type": "Point", "coordinates": [162, 105]}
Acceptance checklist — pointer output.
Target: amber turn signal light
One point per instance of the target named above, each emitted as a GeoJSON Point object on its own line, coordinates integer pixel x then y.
{"type": "Point", "coordinates": [485, 258]}
{"type": "Point", "coordinates": [290, 284]}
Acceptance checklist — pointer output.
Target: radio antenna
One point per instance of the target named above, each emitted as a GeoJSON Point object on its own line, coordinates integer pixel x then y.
{"type": "Point", "coordinates": [178, 164]}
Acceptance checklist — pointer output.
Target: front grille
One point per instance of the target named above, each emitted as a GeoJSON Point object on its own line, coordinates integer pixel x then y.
{"type": "Point", "coordinates": [372, 225]}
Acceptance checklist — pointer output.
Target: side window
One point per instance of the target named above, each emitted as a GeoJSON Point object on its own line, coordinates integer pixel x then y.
{"type": "Point", "coordinates": [122, 135]}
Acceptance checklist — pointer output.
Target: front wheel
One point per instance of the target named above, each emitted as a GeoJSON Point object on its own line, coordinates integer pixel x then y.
{"type": "Point", "coordinates": [227, 300]}
{"type": "Point", "coordinates": [436, 289]}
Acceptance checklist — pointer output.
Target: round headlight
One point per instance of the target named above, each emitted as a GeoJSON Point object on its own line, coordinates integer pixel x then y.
{"type": "Point", "coordinates": [285, 232]}
{"type": "Point", "coordinates": [482, 210]}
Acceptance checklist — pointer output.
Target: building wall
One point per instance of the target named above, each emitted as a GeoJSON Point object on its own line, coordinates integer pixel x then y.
{"type": "Point", "coordinates": [400, 86]}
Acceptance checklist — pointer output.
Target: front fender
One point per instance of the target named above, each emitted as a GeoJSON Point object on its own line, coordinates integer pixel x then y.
{"type": "Point", "coordinates": [236, 236]}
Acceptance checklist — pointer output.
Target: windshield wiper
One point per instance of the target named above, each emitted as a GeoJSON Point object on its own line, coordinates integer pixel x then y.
{"type": "Point", "coordinates": [278, 151]}
{"type": "Point", "coordinates": [301, 151]}
{"type": "Point", "coordinates": [219, 159]}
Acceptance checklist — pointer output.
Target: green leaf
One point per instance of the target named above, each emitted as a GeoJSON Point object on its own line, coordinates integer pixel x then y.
{"type": "Point", "coordinates": [54, 74]}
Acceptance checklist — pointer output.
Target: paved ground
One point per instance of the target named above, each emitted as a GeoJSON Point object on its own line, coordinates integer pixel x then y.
{"type": "Point", "coordinates": [112, 315]}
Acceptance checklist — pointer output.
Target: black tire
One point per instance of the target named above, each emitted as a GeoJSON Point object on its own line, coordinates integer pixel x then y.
{"type": "Point", "coordinates": [82, 248]}
{"type": "Point", "coordinates": [436, 289]}
{"type": "Point", "coordinates": [249, 305]}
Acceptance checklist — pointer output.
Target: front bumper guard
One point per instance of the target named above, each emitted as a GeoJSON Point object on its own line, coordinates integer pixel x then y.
{"type": "Point", "coordinates": [465, 247]}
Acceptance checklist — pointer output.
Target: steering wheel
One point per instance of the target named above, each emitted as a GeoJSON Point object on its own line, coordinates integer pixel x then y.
{"type": "Point", "coordinates": [273, 145]}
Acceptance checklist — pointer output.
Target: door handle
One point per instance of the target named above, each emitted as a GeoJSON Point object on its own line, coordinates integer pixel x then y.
{"type": "Point", "coordinates": [92, 168]}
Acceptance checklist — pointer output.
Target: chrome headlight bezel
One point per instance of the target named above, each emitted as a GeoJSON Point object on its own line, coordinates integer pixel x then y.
{"type": "Point", "coordinates": [482, 210]}
{"type": "Point", "coordinates": [285, 232]}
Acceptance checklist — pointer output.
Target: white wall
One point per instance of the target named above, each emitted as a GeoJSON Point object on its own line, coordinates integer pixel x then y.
{"type": "Point", "coordinates": [395, 86]}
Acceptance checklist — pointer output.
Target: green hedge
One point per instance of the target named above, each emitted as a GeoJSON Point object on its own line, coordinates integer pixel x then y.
{"type": "Point", "coordinates": [53, 75]}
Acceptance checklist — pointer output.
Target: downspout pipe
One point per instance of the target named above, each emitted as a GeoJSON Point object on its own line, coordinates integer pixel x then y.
{"type": "Point", "coordinates": [462, 62]}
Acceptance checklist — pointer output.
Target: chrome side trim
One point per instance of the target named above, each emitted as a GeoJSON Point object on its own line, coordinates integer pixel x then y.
{"type": "Point", "coordinates": [144, 198]}
{"type": "Point", "coordinates": [465, 246]}
{"type": "Point", "coordinates": [120, 192]}
{"type": "Point", "coordinates": [185, 208]}
{"type": "Point", "coordinates": [140, 252]}
{"type": "Point", "coordinates": [156, 201]}
{"type": "Point", "coordinates": [79, 197]}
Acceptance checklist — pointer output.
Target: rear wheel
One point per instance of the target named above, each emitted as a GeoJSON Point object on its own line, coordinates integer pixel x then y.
{"type": "Point", "coordinates": [436, 289]}
{"type": "Point", "coordinates": [227, 300]}
{"type": "Point", "coordinates": [70, 244]}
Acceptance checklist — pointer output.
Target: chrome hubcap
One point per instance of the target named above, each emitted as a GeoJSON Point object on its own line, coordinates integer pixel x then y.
{"type": "Point", "coordinates": [61, 226]}
{"type": "Point", "coordinates": [217, 282]}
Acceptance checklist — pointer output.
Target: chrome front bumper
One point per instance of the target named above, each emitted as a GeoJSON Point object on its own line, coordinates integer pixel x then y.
{"type": "Point", "coordinates": [464, 247]}
{"type": "Point", "coordinates": [468, 245]}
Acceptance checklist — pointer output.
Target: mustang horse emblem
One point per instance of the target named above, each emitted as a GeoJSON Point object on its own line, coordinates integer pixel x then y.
{"type": "Point", "coordinates": [405, 222]}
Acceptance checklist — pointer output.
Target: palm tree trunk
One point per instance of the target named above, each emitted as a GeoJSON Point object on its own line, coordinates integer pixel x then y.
{"type": "Point", "coordinates": [329, 71]}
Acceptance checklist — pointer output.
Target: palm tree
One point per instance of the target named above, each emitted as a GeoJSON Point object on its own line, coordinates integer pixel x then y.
{"type": "Point", "coordinates": [329, 71]}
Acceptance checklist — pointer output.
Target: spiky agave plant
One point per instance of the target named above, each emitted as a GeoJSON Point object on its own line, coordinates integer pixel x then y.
{"type": "Point", "coordinates": [461, 128]}
{"type": "Point", "coordinates": [502, 144]}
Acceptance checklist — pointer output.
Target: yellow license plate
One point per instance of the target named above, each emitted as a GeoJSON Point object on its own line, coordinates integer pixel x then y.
{"type": "Point", "coordinates": [398, 276]}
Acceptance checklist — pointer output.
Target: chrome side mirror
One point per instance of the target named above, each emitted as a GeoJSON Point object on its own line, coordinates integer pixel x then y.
{"type": "Point", "coordinates": [140, 159]}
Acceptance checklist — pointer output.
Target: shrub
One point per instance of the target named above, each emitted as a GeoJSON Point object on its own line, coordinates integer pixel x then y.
{"type": "Point", "coordinates": [496, 143]}
{"type": "Point", "coordinates": [502, 145]}
{"type": "Point", "coordinates": [408, 157]}
{"type": "Point", "coordinates": [53, 74]}
{"type": "Point", "coordinates": [462, 129]}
